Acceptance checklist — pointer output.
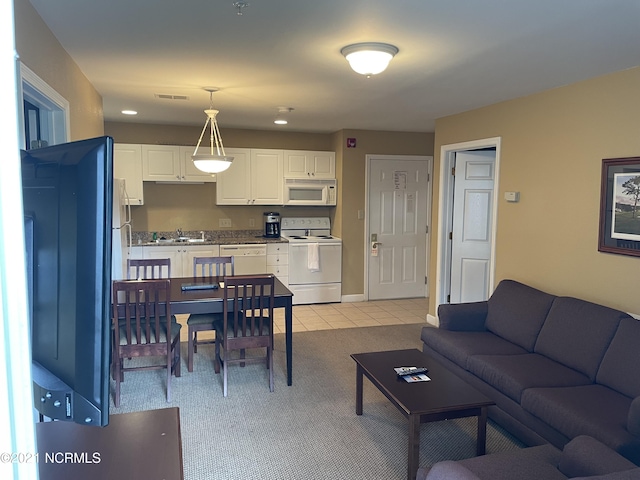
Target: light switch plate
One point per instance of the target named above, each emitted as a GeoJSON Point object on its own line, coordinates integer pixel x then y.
{"type": "Point", "coordinates": [224, 222]}
{"type": "Point", "coordinates": [512, 196]}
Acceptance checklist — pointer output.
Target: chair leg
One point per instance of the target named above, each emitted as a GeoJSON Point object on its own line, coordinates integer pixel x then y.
{"type": "Point", "coordinates": [270, 367]}
{"type": "Point", "coordinates": [169, 362]}
{"type": "Point", "coordinates": [118, 375]}
{"type": "Point", "coordinates": [177, 357]}
{"type": "Point", "coordinates": [191, 349]}
{"type": "Point", "coordinates": [225, 367]}
{"type": "Point", "coordinates": [195, 342]}
{"type": "Point", "coordinates": [216, 356]}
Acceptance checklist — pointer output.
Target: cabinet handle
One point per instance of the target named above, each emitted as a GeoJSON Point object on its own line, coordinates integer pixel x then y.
{"type": "Point", "coordinates": [178, 177]}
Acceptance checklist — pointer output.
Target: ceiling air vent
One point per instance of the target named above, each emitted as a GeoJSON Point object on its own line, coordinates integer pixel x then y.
{"type": "Point", "coordinates": [166, 96]}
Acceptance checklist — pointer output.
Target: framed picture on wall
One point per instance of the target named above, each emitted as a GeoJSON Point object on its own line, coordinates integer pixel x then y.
{"type": "Point", "coordinates": [620, 206]}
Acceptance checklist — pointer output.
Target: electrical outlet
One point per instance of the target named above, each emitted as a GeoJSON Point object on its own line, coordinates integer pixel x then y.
{"type": "Point", "coordinates": [252, 222]}
{"type": "Point", "coordinates": [224, 222]}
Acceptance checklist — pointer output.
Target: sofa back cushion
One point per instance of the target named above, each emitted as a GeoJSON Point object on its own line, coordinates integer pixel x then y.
{"type": "Point", "coordinates": [619, 369]}
{"type": "Point", "coordinates": [577, 333]}
{"type": "Point", "coordinates": [516, 312]}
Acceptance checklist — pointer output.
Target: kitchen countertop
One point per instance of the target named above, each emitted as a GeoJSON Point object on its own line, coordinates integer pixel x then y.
{"type": "Point", "coordinates": [143, 239]}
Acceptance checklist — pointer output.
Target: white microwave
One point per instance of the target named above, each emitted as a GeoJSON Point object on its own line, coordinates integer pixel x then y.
{"type": "Point", "coordinates": [312, 191]}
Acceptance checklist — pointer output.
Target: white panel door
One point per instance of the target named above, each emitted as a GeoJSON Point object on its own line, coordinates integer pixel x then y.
{"type": "Point", "coordinates": [471, 238]}
{"type": "Point", "coordinates": [398, 203]}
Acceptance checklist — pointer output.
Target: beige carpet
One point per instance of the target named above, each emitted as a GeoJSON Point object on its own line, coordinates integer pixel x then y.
{"type": "Point", "coordinates": [306, 431]}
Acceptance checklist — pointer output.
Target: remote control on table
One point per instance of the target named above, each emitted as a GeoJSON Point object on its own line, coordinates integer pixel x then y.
{"type": "Point", "coordinates": [199, 286]}
{"type": "Point", "coordinates": [402, 371]}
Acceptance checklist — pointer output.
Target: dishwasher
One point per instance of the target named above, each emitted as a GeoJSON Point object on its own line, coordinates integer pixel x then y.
{"type": "Point", "coordinates": [247, 258]}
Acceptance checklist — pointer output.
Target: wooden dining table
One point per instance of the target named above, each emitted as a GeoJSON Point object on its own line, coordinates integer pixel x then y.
{"type": "Point", "coordinates": [211, 301]}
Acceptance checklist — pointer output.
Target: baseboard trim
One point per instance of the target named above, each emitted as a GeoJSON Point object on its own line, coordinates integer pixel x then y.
{"type": "Point", "coordinates": [431, 320]}
{"type": "Point", "coordinates": [359, 297]}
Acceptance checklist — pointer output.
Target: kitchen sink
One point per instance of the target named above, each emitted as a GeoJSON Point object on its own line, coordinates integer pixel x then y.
{"type": "Point", "coordinates": [196, 240]}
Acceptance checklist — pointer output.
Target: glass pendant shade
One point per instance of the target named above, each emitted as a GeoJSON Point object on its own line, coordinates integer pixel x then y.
{"type": "Point", "coordinates": [216, 160]}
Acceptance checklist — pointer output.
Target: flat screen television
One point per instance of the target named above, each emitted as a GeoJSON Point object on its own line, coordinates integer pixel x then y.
{"type": "Point", "coordinates": [67, 195]}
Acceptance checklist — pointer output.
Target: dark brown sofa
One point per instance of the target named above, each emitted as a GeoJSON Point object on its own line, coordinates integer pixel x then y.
{"type": "Point", "coordinates": [582, 458]}
{"type": "Point", "coordinates": [557, 367]}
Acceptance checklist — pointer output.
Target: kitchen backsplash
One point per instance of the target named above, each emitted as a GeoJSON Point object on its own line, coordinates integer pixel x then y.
{"type": "Point", "coordinates": [140, 238]}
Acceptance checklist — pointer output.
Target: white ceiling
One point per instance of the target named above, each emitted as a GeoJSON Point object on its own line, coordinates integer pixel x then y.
{"type": "Point", "coordinates": [455, 55]}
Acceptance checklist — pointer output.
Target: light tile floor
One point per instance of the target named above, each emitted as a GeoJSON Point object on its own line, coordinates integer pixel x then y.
{"type": "Point", "coordinates": [343, 315]}
{"type": "Point", "coordinates": [358, 314]}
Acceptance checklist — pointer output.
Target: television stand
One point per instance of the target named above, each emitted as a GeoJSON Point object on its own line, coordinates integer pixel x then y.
{"type": "Point", "coordinates": [139, 445]}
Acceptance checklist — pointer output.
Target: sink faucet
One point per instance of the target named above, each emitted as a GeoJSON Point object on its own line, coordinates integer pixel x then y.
{"type": "Point", "coordinates": [179, 232]}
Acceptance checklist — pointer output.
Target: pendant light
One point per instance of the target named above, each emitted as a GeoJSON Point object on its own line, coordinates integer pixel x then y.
{"type": "Point", "coordinates": [369, 58]}
{"type": "Point", "coordinates": [215, 161]}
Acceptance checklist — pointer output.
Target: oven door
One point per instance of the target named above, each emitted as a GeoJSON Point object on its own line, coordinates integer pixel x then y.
{"type": "Point", "coordinates": [329, 262]}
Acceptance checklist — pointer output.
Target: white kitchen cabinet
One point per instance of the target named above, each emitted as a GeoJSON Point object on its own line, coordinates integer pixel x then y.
{"type": "Point", "coordinates": [172, 164]}
{"type": "Point", "coordinates": [278, 261]}
{"type": "Point", "coordinates": [127, 164]}
{"type": "Point", "coordinates": [136, 253]}
{"type": "Point", "coordinates": [255, 177]}
{"type": "Point", "coordinates": [309, 164]}
{"type": "Point", "coordinates": [161, 163]}
{"type": "Point", "coordinates": [181, 256]}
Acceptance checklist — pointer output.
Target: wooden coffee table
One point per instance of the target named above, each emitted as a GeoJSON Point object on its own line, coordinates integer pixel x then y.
{"type": "Point", "coordinates": [446, 396]}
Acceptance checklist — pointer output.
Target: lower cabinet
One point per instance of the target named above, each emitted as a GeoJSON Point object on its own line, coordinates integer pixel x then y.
{"type": "Point", "coordinates": [181, 256]}
{"type": "Point", "coordinates": [278, 261]}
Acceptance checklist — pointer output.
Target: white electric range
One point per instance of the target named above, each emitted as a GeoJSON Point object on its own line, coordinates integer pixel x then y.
{"type": "Point", "coordinates": [315, 260]}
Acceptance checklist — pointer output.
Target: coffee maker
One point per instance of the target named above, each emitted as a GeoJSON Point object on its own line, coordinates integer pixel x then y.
{"type": "Point", "coordinates": [271, 224]}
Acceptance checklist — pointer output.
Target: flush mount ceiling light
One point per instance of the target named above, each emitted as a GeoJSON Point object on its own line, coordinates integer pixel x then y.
{"type": "Point", "coordinates": [215, 161]}
{"type": "Point", "coordinates": [369, 58]}
{"type": "Point", "coordinates": [281, 118]}
{"type": "Point", "coordinates": [129, 112]}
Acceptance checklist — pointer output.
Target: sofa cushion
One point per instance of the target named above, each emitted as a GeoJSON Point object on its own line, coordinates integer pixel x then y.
{"type": "Point", "coordinates": [516, 312]}
{"type": "Point", "coordinates": [592, 410]}
{"type": "Point", "coordinates": [619, 368]}
{"type": "Point", "coordinates": [586, 456]}
{"type": "Point", "coordinates": [576, 333]}
{"type": "Point", "coordinates": [533, 463]}
{"type": "Point", "coordinates": [459, 346]}
{"type": "Point", "coordinates": [626, 475]}
{"type": "Point", "coordinates": [446, 470]}
{"type": "Point", "coordinates": [511, 374]}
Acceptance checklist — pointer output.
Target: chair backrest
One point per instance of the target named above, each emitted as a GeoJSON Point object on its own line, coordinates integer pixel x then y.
{"type": "Point", "coordinates": [248, 305]}
{"type": "Point", "coordinates": [207, 263]}
{"type": "Point", "coordinates": [140, 312]}
{"type": "Point", "coordinates": [148, 269]}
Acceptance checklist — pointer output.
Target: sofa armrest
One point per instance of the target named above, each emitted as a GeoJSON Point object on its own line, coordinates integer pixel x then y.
{"type": "Point", "coordinates": [447, 470]}
{"type": "Point", "coordinates": [465, 317]}
{"type": "Point", "coordinates": [585, 456]}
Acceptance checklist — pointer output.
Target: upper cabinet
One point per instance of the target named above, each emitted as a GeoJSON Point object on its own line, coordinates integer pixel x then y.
{"type": "Point", "coordinates": [171, 163]}
{"type": "Point", "coordinates": [127, 164]}
{"type": "Point", "coordinates": [307, 164]}
{"type": "Point", "coordinates": [255, 177]}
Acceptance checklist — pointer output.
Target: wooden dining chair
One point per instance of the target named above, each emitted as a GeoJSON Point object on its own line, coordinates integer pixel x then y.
{"type": "Point", "coordinates": [205, 267]}
{"type": "Point", "coordinates": [143, 326]}
{"type": "Point", "coordinates": [148, 268]}
{"type": "Point", "coordinates": [247, 323]}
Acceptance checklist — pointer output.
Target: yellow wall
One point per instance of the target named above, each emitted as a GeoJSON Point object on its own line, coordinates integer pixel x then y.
{"type": "Point", "coordinates": [42, 53]}
{"type": "Point", "coordinates": [553, 144]}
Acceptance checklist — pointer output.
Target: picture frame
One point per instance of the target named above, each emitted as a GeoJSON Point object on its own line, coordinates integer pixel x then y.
{"type": "Point", "coordinates": [620, 206]}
